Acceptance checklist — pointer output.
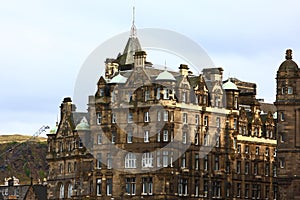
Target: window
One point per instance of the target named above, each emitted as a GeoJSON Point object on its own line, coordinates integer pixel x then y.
{"type": "Point", "coordinates": [61, 168]}
{"type": "Point", "coordinates": [205, 163]}
{"type": "Point", "coordinates": [238, 189]}
{"type": "Point", "coordinates": [158, 163]}
{"type": "Point", "coordinates": [130, 160]}
{"type": "Point", "coordinates": [183, 161]}
{"type": "Point", "coordinates": [113, 137]}
{"type": "Point", "coordinates": [274, 170]}
{"type": "Point", "coordinates": [239, 148]}
{"type": "Point", "coordinates": [158, 116]}
{"type": "Point", "coordinates": [99, 186]}
{"type": "Point", "coordinates": [184, 118]}
{"type": "Point", "coordinates": [158, 136]}
{"type": "Point", "coordinates": [99, 160]}
{"type": "Point", "coordinates": [255, 169]}
{"type": "Point", "coordinates": [171, 116]}
{"type": "Point", "coordinates": [257, 151]}
{"type": "Point", "coordinates": [255, 191]}
{"type": "Point", "coordinates": [70, 190]}
{"type": "Point", "coordinates": [283, 90]}
{"type": "Point", "coordinates": [158, 93]}
{"type": "Point", "coordinates": [99, 118]}
{"type": "Point", "coordinates": [216, 189]}
{"type": "Point", "coordinates": [196, 161]}
{"type": "Point", "coordinates": [206, 121]}
{"type": "Point", "coordinates": [184, 97]}
{"type": "Point", "coordinates": [206, 140]}
{"type": "Point", "coordinates": [196, 188]}
{"type": "Point", "coordinates": [147, 188]}
{"type": "Point", "coordinates": [246, 149]}
{"type": "Point", "coordinates": [99, 138]}
{"type": "Point", "coordinates": [218, 123]}
{"type": "Point", "coordinates": [235, 124]}
{"type": "Point", "coordinates": [166, 116]}
{"type": "Point", "coordinates": [217, 101]}
{"type": "Point", "coordinates": [109, 186]}
{"type": "Point", "coordinates": [147, 159]}
{"type": "Point", "coordinates": [281, 162]}
{"type": "Point", "coordinates": [130, 117]}
{"type": "Point", "coordinates": [267, 193]}
{"type": "Point", "coordinates": [69, 167]}
{"type": "Point", "coordinates": [267, 151]}
{"type": "Point", "coordinates": [183, 186]}
{"type": "Point", "coordinates": [165, 136]}
{"type": "Point", "coordinates": [218, 141]}
{"type": "Point", "coordinates": [217, 163]}
{"type": "Point", "coordinates": [275, 152]}
{"type": "Point", "coordinates": [101, 92]}
{"type": "Point", "coordinates": [281, 138]}
{"type": "Point", "coordinates": [146, 117]}
{"type": "Point", "coordinates": [290, 90]}
{"type": "Point", "coordinates": [165, 158]}
{"type": "Point", "coordinates": [184, 137]}
{"type": "Point", "coordinates": [129, 137]}
{"type": "Point", "coordinates": [267, 169]}
{"type": "Point", "coordinates": [166, 93]}
{"type": "Point", "coordinates": [196, 138]}
{"type": "Point", "coordinates": [146, 136]}
{"type": "Point", "coordinates": [109, 161]}
{"type": "Point", "coordinates": [130, 186]}
{"type": "Point", "coordinates": [235, 103]}
{"type": "Point", "coordinates": [205, 188]}
{"type": "Point", "coordinates": [247, 168]}
{"type": "Point", "coordinates": [113, 118]}
{"type": "Point", "coordinates": [61, 191]}
{"type": "Point", "coordinates": [282, 116]}
{"type": "Point", "coordinates": [256, 132]}
{"type": "Point", "coordinates": [197, 119]}
{"type": "Point", "coordinates": [246, 190]}
{"type": "Point", "coordinates": [147, 95]}
{"type": "Point", "coordinates": [238, 167]}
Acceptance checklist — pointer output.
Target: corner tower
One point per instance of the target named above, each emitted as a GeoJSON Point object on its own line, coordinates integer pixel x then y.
{"type": "Point", "coordinates": [288, 129]}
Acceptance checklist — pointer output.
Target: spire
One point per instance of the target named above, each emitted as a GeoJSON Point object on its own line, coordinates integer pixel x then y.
{"type": "Point", "coordinates": [133, 28]}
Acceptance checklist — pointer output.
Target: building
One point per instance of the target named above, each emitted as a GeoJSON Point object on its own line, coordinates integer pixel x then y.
{"type": "Point", "coordinates": [157, 134]}
{"type": "Point", "coordinates": [288, 108]}
{"type": "Point", "coordinates": [12, 189]}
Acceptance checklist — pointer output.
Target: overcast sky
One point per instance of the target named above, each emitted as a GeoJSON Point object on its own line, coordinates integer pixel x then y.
{"type": "Point", "coordinates": [43, 45]}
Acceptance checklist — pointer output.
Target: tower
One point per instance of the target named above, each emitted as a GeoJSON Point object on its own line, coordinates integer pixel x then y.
{"type": "Point", "coordinates": [288, 129]}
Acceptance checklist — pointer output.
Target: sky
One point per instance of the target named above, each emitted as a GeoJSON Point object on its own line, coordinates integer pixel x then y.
{"type": "Point", "coordinates": [43, 45]}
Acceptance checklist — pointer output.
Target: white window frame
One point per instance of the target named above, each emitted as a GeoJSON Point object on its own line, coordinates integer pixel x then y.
{"type": "Point", "coordinates": [130, 160]}
{"type": "Point", "coordinates": [146, 136]}
{"type": "Point", "coordinates": [146, 117]}
{"type": "Point", "coordinates": [147, 160]}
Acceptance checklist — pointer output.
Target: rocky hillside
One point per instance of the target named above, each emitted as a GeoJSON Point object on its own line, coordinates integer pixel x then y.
{"type": "Point", "coordinates": [22, 158]}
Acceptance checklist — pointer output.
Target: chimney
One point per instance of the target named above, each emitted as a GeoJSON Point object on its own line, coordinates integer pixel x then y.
{"type": "Point", "coordinates": [184, 70]}
{"type": "Point", "coordinates": [140, 59]}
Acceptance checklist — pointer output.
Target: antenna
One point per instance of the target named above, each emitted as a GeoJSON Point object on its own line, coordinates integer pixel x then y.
{"type": "Point", "coordinates": [166, 65]}
{"type": "Point", "coordinates": [133, 28]}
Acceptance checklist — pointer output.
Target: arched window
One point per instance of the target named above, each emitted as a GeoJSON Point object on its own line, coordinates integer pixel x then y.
{"type": "Point", "coordinates": [61, 191]}
{"type": "Point", "coordinates": [130, 160]}
{"type": "Point", "coordinates": [70, 190]}
{"type": "Point", "coordinates": [147, 159]}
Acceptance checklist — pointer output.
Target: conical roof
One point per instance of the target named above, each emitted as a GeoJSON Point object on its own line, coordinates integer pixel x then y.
{"type": "Point", "coordinates": [83, 125]}
{"type": "Point", "coordinates": [118, 79]}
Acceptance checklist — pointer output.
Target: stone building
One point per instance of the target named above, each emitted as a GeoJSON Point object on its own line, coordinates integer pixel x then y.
{"type": "Point", "coordinates": [153, 133]}
{"type": "Point", "coordinates": [288, 108]}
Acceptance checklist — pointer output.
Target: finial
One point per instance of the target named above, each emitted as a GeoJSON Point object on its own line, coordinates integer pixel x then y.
{"type": "Point", "coordinates": [133, 28]}
{"type": "Point", "coordinates": [166, 65]}
{"type": "Point", "coordinates": [288, 55]}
